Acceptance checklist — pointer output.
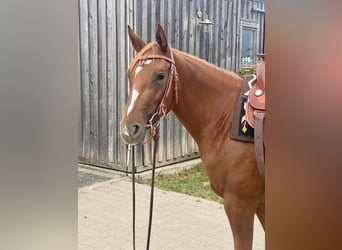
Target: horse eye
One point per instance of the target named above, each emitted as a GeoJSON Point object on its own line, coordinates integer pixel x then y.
{"type": "Point", "coordinates": [160, 76]}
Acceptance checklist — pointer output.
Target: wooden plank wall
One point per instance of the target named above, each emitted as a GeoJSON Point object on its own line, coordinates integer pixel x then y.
{"type": "Point", "coordinates": [105, 54]}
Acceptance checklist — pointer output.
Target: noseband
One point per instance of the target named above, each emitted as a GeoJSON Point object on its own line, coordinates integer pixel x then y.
{"type": "Point", "coordinates": [172, 80]}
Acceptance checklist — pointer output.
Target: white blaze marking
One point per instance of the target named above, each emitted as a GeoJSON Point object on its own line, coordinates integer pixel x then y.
{"type": "Point", "coordinates": [134, 98]}
{"type": "Point", "coordinates": [138, 69]}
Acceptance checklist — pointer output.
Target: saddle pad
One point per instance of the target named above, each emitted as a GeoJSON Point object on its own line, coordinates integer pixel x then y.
{"type": "Point", "coordinates": [241, 130]}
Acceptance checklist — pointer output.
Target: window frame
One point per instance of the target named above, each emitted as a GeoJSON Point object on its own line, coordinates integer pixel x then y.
{"type": "Point", "coordinates": [254, 26]}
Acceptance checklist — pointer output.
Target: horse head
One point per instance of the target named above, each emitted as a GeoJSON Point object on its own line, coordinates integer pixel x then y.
{"type": "Point", "coordinates": [151, 75]}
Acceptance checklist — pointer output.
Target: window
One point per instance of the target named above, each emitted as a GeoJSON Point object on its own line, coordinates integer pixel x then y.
{"type": "Point", "coordinates": [248, 46]}
{"type": "Point", "coordinates": [248, 43]}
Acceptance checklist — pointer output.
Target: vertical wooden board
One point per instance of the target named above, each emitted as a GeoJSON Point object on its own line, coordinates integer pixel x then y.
{"type": "Point", "coordinates": [201, 38]}
{"type": "Point", "coordinates": [121, 69]}
{"type": "Point", "coordinates": [149, 32]}
{"type": "Point", "coordinates": [235, 24]}
{"type": "Point", "coordinates": [146, 151]}
{"type": "Point", "coordinates": [217, 20]}
{"type": "Point", "coordinates": [153, 18]}
{"type": "Point", "coordinates": [119, 89]}
{"type": "Point", "coordinates": [249, 9]}
{"type": "Point", "coordinates": [170, 136]}
{"type": "Point", "coordinates": [130, 14]}
{"type": "Point", "coordinates": [183, 25]}
{"type": "Point", "coordinates": [257, 18]}
{"type": "Point", "coordinates": [179, 22]}
{"type": "Point", "coordinates": [208, 34]}
{"type": "Point", "coordinates": [213, 48]}
{"type": "Point", "coordinates": [229, 34]}
{"type": "Point", "coordinates": [233, 35]}
{"type": "Point", "coordinates": [84, 57]}
{"type": "Point", "coordinates": [212, 32]}
{"type": "Point", "coordinates": [162, 11]}
{"type": "Point", "coordinates": [238, 37]}
{"type": "Point", "coordinates": [80, 132]}
{"type": "Point", "coordinates": [243, 8]}
{"type": "Point", "coordinates": [102, 81]}
{"type": "Point", "coordinates": [250, 13]}
{"type": "Point", "coordinates": [222, 33]}
{"type": "Point", "coordinates": [171, 24]}
{"type": "Point", "coordinates": [162, 141]}
{"type": "Point", "coordinates": [177, 142]}
{"type": "Point", "coordinates": [93, 48]}
{"type": "Point", "coordinates": [186, 142]}
{"type": "Point", "coordinates": [226, 33]}
{"type": "Point", "coordinates": [205, 35]}
{"type": "Point", "coordinates": [192, 19]}
{"type": "Point", "coordinates": [112, 121]}
{"type": "Point", "coordinates": [228, 37]}
{"type": "Point", "coordinates": [138, 17]}
{"type": "Point", "coordinates": [196, 43]}
{"type": "Point", "coordinates": [183, 142]}
{"type": "Point", "coordinates": [261, 21]}
{"type": "Point", "coordinates": [144, 21]}
{"type": "Point", "coordinates": [194, 36]}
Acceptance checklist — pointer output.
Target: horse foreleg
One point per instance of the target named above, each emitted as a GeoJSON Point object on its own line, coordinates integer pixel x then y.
{"type": "Point", "coordinates": [241, 218]}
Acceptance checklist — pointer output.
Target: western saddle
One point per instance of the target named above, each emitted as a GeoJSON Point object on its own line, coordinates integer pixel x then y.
{"type": "Point", "coordinates": [255, 114]}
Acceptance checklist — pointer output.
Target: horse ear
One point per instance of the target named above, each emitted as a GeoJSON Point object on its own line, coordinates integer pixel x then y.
{"type": "Point", "coordinates": [136, 41]}
{"type": "Point", "coordinates": [161, 38]}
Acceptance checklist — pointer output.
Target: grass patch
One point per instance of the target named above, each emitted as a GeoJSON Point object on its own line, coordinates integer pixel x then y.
{"type": "Point", "coordinates": [192, 181]}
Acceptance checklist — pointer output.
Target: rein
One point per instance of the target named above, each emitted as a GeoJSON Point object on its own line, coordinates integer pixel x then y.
{"type": "Point", "coordinates": [153, 125]}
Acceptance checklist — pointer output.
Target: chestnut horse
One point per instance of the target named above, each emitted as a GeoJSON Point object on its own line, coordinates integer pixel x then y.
{"type": "Point", "coordinates": [204, 98]}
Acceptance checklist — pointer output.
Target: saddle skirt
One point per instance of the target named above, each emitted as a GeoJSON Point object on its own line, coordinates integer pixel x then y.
{"type": "Point", "coordinates": [256, 96]}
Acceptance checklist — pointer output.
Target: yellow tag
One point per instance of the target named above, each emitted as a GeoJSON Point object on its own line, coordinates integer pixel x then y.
{"type": "Point", "coordinates": [244, 128]}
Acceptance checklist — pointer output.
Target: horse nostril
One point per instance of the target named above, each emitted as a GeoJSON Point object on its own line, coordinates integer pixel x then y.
{"type": "Point", "coordinates": [136, 129]}
{"type": "Point", "coordinates": [132, 133]}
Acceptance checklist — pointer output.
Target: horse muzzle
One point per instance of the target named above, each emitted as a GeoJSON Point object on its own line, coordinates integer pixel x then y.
{"type": "Point", "coordinates": [133, 134]}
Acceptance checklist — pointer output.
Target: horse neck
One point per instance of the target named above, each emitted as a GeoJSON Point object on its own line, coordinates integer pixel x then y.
{"type": "Point", "coordinates": [207, 98]}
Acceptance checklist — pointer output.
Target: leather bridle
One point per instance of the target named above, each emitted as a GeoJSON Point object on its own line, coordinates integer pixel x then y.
{"type": "Point", "coordinates": [172, 80]}
{"type": "Point", "coordinates": [153, 126]}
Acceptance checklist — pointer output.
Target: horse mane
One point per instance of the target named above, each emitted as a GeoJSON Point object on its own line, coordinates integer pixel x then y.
{"type": "Point", "coordinates": [154, 46]}
{"type": "Point", "coordinates": [208, 64]}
